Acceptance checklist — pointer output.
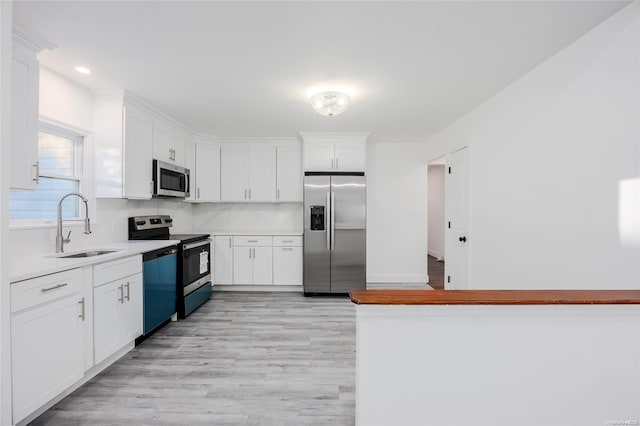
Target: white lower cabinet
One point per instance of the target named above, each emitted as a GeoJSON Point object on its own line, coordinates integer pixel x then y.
{"type": "Point", "coordinates": [258, 260]}
{"type": "Point", "coordinates": [223, 259]}
{"type": "Point", "coordinates": [47, 339]}
{"type": "Point", "coordinates": [117, 315]}
{"type": "Point", "coordinates": [287, 265]}
{"type": "Point", "coordinates": [253, 260]}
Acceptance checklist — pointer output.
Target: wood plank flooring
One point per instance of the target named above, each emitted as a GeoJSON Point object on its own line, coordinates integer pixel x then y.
{"type": "Point", "coordinates": [436, 273]}
{"type": "Point", "coordinates": [241, 359]}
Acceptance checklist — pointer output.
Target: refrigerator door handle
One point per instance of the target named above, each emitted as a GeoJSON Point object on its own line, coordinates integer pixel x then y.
{"type": "Point", "coordinates": [326, 221]}
{"type": "Point", "coordinates": [333, 220]}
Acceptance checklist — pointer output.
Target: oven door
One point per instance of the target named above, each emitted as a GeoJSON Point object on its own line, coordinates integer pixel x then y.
{"type": "Point", "coordinates": [196, 265]}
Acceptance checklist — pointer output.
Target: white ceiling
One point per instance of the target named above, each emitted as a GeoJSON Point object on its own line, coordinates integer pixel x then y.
{"type": "Point", "coordinates": [242, 68]}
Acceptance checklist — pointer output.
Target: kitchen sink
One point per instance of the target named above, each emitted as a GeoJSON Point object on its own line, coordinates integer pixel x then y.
{"type": "Point", "coordinates": [88, 253]}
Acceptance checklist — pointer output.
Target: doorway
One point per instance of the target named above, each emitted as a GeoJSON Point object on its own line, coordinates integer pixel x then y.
{"type": "Point", "coordinates": [436, 222]}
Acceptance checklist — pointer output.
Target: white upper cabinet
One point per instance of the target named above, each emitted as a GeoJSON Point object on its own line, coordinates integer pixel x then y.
{"type": "Point", "coordinates": [289, 173]}
{"type": "Point", "coordinates": [262, 172]}
{"type": "Point", "coordinates": [248, 172]}
{"type": "Point", "coordinates": [207, 172]}
{"type": "Point", "coordinates": [123, 134]}
{"type": "Point", "coordinates": [334, 152]}
{"type": "Point", "coordinates": [169, 143]}
{"type": "Point", "coordinates": [137, 143]}
{"type": "Point", "coordinates": [23, 146]}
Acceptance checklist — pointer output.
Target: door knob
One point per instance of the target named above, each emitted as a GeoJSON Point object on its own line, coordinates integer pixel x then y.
{"type": "Point", "coordinates": [463, 239]}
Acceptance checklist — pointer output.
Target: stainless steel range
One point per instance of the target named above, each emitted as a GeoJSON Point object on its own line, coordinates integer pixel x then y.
{"type": "Point", "coordinates": [193, 283]}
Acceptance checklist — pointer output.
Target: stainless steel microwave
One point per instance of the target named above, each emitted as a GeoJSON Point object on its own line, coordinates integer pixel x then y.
{"type": "Point", "coordinates": [170, 180]}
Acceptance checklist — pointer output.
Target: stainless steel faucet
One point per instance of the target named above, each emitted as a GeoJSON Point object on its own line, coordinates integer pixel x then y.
{"type": "Point", "coordinates": [60, 240]}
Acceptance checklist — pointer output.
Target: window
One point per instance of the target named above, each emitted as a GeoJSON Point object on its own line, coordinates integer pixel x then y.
{"type": "Point", "coordinates": [60, 153]}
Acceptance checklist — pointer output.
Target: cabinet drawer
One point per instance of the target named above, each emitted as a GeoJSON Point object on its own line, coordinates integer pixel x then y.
{"type": "Point", "coordinates": [287, 241]}
{"type": "Point", "coordinates": [111, 271]}
{"type": "Point", "coordinates": [252, 241]}
{"type": "Point", "coordinates": [25, 294]}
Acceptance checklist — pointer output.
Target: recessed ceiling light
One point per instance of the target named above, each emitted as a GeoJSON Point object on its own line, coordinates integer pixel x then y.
{"type": "Point", "coordinates": [83, 70]}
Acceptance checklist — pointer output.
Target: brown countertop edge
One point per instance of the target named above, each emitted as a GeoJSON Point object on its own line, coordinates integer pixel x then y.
{"type": "Point", "coordinates": [495, 297]}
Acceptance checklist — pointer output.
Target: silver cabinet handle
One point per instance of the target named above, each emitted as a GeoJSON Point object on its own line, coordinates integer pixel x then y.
{"type": "Point", "coordinates": [198, 191]}
{"type": "Point", "coordinates": [245, 194]}
{"type": "Point", "coordinates": [37, 167]}
{"type": "Point", "coordinates": [278, 196]}
{"type": "Point", "coordinates": [55, 287]}
{"type": "Point", "coordinates": [254, 253]}
{"type": "Point", "coordinates": [252, 241]}
{"type": "Point", "coordinates": [151, 187]}
{"type": "Point", "coordinates": [287, 248]}
{"type": "Point", "coordinates": [287, 241]}
{"type": "Point", "coordinates": [249, 193]}
{"type": "Point", "coordinates": [337, 167]}
{"type": "Point", "coordinates": [128, 291]}
{"type": "Point", "coordinates": [81, 302]}
{"type": "Point", "coordinates": [325, 221]}
{"type": "Point", "coordinates": [332, 161]}
{"type": "Point", "coordinates": [121, 298]}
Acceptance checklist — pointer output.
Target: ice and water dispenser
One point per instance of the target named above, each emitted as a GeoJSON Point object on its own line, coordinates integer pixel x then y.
{"type": "Point", "coordinates": [317, 218]}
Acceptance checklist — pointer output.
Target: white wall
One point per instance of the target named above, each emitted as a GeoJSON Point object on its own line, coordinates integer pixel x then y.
{"type": "Point", "coordinates": [435, 204]}
{"type": "Point", "coordinates": [396, 213]}
{"type": "Point", "coordinates": [65, 101]}
{"type": "Point", "coordinates": [547, 156]}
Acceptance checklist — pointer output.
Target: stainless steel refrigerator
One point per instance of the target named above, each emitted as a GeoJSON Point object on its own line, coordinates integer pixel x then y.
{"type": "Point", "coordinates": [334, 232]}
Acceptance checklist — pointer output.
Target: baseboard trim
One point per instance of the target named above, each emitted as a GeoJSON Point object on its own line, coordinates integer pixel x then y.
{"type": "Point", "coordinates": [263, 288]}
{"type": "Point", "coordinates": [420, 279]}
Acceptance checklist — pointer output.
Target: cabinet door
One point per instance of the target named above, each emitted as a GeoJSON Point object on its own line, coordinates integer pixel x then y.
{"type": "Point", "coordinates": [289, 173]}
{"type": "Point", "coordinates": [318, 156]}
{"type": "Point", "coordinates": [262, 265]}
{"type": "Point", "coordinates": [262, 173]}
{"type": "Point", "coordinates": [350, 157]}
{"type": "Point", "coordinates": [107, 301]}
{"type": "Point", "coordinates": [233, 173]}
{"type": "Point", "coordinates": [23, 146]}
{"type": "Point", "coordinates": [223, 260]}
{"type": "Point", "coordinates": [47, 348]}
{"type": "Point", "coordinates": [207, 172]}
{"type": "Point", "coordinates": [242, 265]}
{"type": "Point", "coordinates": [287, 265]}
{"type": "Point", "coordinates": [162, 142]}
{"type": "Point", "coordinates": [131, 309]}
{"type": "Point", "coordinates": [179, 142]}
{"type": "Point", "coordinates": [138, 138]}
{"type": "Point", "coordinates": [190, 163]}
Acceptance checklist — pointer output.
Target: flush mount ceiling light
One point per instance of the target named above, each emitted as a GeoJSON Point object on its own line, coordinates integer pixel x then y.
{"type": "Point", "coordinates": [330, 103]}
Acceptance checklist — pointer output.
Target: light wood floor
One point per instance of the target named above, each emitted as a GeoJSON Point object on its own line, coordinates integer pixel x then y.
{"type": "Point", "coordinates": [241, 359]}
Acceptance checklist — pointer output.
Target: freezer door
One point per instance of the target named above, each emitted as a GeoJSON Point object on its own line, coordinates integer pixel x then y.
{"type": "Point", "coordinates": [317, 257]}
{"type": "Point", "coordinates": [348, 233]}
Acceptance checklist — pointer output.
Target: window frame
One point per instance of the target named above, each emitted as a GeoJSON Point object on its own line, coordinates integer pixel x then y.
{"type": "Point", "coordinates": [82, 163]}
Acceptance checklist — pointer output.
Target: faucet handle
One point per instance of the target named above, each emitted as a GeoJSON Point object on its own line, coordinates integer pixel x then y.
{"type": "Point", "coordinates": [68, 239]}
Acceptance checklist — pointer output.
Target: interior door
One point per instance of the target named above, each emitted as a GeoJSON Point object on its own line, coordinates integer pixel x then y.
{"type": "Point", "coordinates": [457, 214]}
{"type": "Point", "coordinates": [317, 260]}
{"type": "Point", "coordinates": [348, 253]}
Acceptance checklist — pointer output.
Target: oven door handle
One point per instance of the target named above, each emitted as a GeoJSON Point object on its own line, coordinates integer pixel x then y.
{"type": "Point", "coordinates": [189, 246]}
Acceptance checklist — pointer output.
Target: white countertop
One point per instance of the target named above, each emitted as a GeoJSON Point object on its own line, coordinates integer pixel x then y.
{"type": "Point", "coordinates": [250, 232]}
{"type": "Point", "coordinates": [24, 268]}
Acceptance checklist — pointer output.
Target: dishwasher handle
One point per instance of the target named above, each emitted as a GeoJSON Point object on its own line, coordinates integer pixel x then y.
{"type": "Point", "coordinates": [167, 251]}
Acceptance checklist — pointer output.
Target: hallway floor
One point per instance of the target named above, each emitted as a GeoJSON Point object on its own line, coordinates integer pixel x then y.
{"type": "Point", "coordinates": [436, 273]}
